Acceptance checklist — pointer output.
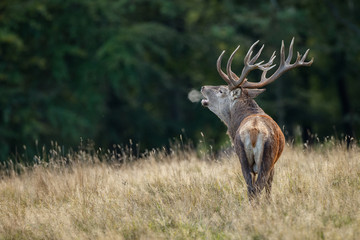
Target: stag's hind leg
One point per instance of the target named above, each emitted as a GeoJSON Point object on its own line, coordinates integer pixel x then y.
{"type": "Point", "coordinates": [266, 170]}
{"type": "Point", "coordinates": [269, 183]}
{"type": "Point", "coordinates": [246, 169]}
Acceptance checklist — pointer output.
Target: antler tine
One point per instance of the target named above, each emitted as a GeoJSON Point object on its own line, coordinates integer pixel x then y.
{"type": "Point", "coordinates": [249, 53]}
{"type": "Point", "coordinates": [221, 73]}
{"type": "Point", "coordinates": [228, 69]}
{"type": "Point", "coordinates": [267, 66]}
{"type": "Point", "coordinates": [271, 60]}
{"type": "Point", "coordinates": [282, 53]}
{"type": "Point", "coordinates": [288, 60]}
{"type": "Point", "coordinates": [298, 58]}
{"type": "Point", "coordinates": [253, 60]}
{"type": "Point", "coordinates": [304, 57]}
{"type": "Point", "coordinates": [284, 66]}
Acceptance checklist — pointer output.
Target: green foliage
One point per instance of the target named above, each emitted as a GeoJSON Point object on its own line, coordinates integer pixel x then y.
{"type": "Point", "coordinates": [118, 70]}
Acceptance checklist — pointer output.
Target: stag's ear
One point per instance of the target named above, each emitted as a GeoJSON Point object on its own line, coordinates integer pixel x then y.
{"type": "Point", "coordinates": [236, 93]}
{"type": "Point", "coordinates": [253, 93]}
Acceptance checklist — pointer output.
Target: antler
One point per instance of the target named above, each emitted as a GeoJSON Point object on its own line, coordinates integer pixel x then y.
{"type": "Point", "coordinates": [249, 65]}
{"type": "Point", "coordinates": [229, 81]}
{"type": "Point", "coordinates": [284, 66]}
{"type": "Point", "coordinates": [231, 78]}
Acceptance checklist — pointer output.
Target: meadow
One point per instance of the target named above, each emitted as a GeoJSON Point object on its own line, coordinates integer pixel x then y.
{"type": "Point", "coordinates": [181, 194]}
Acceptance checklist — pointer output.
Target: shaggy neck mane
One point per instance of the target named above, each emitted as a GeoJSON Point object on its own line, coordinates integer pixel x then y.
{"type": "Point", "coordinates": [240, 110]}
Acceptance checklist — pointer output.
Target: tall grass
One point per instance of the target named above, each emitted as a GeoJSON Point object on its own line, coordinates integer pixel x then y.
{"type": "Point", "coordinates": [178, 195]}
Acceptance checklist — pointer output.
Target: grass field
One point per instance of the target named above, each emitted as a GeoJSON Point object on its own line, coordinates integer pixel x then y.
{"type": "Point", "coordinates": [315, 195]}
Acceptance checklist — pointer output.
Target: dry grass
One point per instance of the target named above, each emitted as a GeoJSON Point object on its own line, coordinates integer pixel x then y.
{"type": "Point", "coordinates": [316, 195]}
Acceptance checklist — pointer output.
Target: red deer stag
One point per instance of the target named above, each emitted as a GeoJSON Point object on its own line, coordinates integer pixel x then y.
{"type": "Point", "coordinates": [257, 139]}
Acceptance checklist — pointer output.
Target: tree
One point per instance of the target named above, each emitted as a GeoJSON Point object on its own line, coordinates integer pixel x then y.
{"type": "Point", "coordinates": [111, 71]}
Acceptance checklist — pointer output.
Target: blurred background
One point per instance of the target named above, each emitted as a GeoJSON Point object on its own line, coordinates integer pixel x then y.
{"type": "Point", "coordinates": [115, 70]}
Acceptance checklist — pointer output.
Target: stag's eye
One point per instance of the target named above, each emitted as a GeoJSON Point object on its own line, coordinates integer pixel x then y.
{"type": "Point", "coordinates": [220, 91]}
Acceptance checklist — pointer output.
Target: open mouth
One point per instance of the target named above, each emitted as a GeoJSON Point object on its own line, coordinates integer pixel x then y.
{"type": "Point", "coordinates": [205, 102]}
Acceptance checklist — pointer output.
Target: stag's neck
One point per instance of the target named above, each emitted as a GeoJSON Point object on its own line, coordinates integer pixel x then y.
{"type": "Point", "coordinates": [240, 110]}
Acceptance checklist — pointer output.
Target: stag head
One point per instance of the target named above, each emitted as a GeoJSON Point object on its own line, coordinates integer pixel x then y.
{"type": "Point", "coordinates": [220, 99]}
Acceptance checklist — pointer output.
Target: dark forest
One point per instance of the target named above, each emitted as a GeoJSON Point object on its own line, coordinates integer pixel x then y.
{"type": "Point", "coordinates": [112, 72]}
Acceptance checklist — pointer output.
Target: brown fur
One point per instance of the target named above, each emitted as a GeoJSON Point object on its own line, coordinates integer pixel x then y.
{"type": "Point", "coordinates": [253, 135]}
{"type": "Point", "coordinates": [273, 145]}
{"type": "Point", "coordinates": [257, 139]}
{"type": "Point", "coordinates": [277, 137]}
{"type": "Point", "coordinates": [248, 118]}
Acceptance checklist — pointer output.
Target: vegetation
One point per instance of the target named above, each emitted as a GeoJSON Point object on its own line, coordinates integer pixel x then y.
{"type": "Point", "coordinates": [180, 195]}
{"type": "Point", "coordinates": [120, 71]}
{"type": "Point", "coordinates": [111, 71]}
